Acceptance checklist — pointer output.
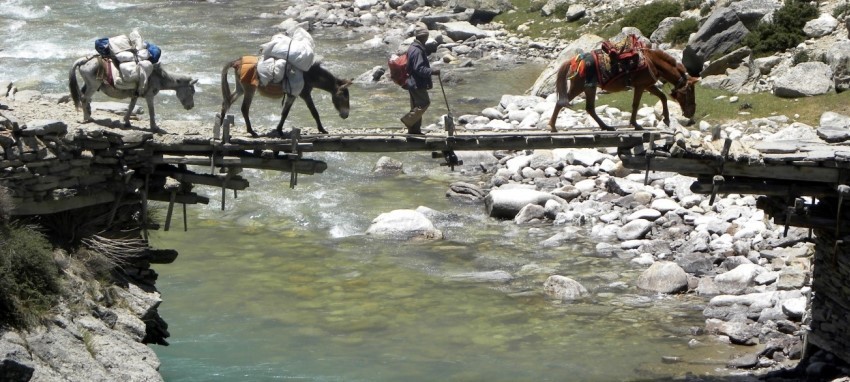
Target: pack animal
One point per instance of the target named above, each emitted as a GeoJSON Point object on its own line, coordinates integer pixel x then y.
{"type": "Point", "coordinates": [247, 83]}
{"type": "Point", "coordinates": [92, 71]}
{"type": "Point", "coordinates": [573, 74]}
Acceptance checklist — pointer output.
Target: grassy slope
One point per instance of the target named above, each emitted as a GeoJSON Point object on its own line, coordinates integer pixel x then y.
{"type": "Point", "coordinates": [709, 108]}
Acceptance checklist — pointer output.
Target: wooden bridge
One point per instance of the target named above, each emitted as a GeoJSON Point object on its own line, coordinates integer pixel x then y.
{"type": "Point", "coordinates": [780, 171]}
{"type": "Point", "coordinates": [802, 184]}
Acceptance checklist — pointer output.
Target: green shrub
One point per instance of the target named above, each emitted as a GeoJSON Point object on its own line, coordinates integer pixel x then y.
{"type": "Point", "coordinates": [691, 4]}
{"type": "Point", "coordinates": [786, 30]}
{"type": "Point", "coordinates": [680, 32]}
{"type": "Point", "coordinates": [29, 279]}
{"type": "Point", "coordinates": [6, 205]}
{"type": "Point", "coordinates": [843, 9]}
{"type": "Point", "coordinates": [647, 17]}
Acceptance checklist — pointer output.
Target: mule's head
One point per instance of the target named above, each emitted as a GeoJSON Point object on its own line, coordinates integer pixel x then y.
{"type": "Point", "coordinates": [685, 94]}
{"type": "Point", "coordinates": [340, 97]}
{"type": "Point", "coordinates": [186, 92]}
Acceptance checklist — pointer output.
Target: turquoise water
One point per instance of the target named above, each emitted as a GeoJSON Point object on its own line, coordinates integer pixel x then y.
{"type": "Point", "coordinates": [283, 284]}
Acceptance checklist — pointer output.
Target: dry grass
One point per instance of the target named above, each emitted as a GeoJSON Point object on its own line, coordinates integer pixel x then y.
{"type": "Point", "coordinates": [714, 107]}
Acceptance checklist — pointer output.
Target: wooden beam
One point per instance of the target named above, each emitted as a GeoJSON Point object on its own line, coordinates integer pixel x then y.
{"type": "Point", "coordinates": [185, 198]}
{"type": "Point", "coordinates": [513, 141]}
{"type": "Point", "coordinates": [303, 166]}
{"type": "Point", "coordinates": [738, 185]}
{"type": "Point", "coordinates": [53, 206]}
{"type": "Point", "coordinates": [709, 167]}
{"type": "Point", "coordinates": [235, 182]}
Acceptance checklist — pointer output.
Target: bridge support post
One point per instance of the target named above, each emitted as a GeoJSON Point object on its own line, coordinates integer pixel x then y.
{"type": "Point", "coordinates": [830, 310]}
{"type": "Point", "coordinates": [293, 176]}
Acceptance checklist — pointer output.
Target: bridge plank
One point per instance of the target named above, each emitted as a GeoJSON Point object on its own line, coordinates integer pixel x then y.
{"type": "Point", "coordinates": [301, 166]}
{"type": "Point", "coordinates": [709, 166]}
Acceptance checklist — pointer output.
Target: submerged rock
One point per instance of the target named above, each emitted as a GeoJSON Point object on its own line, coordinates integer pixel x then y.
{"type": "Point", "coordinates": [405, 225]}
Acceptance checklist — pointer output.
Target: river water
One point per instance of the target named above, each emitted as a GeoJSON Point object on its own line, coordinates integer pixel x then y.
{"type": "Point", "coordinates": [283, 284]}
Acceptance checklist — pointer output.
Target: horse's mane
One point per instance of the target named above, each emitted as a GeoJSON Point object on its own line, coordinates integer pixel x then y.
{"type": "Point", "coordinates": [670, 61]}
{"type": "Point", "coordinates": [168, 77]}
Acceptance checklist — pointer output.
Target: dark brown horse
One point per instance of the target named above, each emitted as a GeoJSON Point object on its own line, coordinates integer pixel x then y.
{"type": "Point", "coordinates": [659, 66]}
{"type": "Point", "coordinates": [247, 82]}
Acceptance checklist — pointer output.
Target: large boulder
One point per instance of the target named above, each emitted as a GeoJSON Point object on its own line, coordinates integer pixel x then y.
{"type": "Point", "coordinates": [739, 279]}
{"type": "Point", "coordinates": [730, 61]}
{"type": "Point", "coordinates": [483, 11]}
{"type": "Point", "coordinates": [506, 203]}
{"type": "Point", "coordinates": [664, 27]}
{"type": "Point", "coordinates": [664, 277]}
{"type": "Point", "coordinates": [820, 26]}
{"type": "Point", "coordinates": [838, 57]}
{"type": "Point", "coordinates": [834, 127]}
{"type": "Point", "coordinates": [634, 230]}
{"type": "Point", "coordinates": [563, 288]}
{"type": "Point", "coordinates": [720, 33]}
{"type": "Point", "coordinates": [461, 30]}
{"type": "Point", "coordinates": [753, 11]}
{"type": "Point", "coordinates": [804, 80]}
{"type": "Point", "coordinates": [545, 83]}
{"type": "Point", "coordinates": [404, 224]}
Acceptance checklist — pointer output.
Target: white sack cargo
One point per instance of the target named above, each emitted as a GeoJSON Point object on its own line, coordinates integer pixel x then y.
{"type": "Point", "coordinates": [123, 43]}
{"type": "Point", "coordinates": [273, 71]}
{"type": "Point", "coordinates": [298, 50]}
{"type": "Point", "coordinates": [130, 75]}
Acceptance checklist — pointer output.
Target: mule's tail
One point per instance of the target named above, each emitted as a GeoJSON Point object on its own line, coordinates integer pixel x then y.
{"type": "Point", "coordinates": [72, 81]}
{"type": "Point", "coordinates": [226, 96]}
{"type": "Point", "coordinates": [568, 70]}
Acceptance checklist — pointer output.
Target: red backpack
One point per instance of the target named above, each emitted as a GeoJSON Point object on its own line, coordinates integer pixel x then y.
{"type": "Point", "coordinates": [398, 69]}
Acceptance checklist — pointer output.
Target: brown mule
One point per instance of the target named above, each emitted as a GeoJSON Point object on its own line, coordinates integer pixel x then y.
{"type": "Point", "coordinates": [659, 65]}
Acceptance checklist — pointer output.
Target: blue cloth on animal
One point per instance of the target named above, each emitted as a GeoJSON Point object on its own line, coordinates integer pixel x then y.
{"type": "Point", "coordinates": [418, 67]}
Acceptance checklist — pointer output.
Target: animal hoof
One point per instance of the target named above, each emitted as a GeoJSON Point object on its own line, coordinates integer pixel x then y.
{"type": "Point", "coordinates": [608, 128]}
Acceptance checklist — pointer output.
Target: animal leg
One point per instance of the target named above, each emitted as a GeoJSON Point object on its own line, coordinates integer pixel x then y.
{"type": "Point", "coordinates": [246, 107]}
{"type": "Point", "coordinates": [590, 107]}
{"type": "Point", "coordinates": [576, 86]}
{"type": "Point", "coordinates": [660, 94]}
{"type": "Point", "coordinates": [287, 102]}
{"type": "Point", "coordinates": [308, 99]}
{"type": "Point", "coordinates": [152, 113]}
{"type": "Point", "coordinates": [638, 92]}
{"type": "Point", "coordinates": [88, 94]}
{"type": "Point", "coordinates": [130, 108]}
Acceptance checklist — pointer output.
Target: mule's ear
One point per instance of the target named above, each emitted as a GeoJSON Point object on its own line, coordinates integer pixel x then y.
{"type": "Point", "coordinates": [193, 81]}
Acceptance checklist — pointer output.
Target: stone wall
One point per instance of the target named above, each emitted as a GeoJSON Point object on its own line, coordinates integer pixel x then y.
{"type": "Point", "coordinates": [830, 310]}
{"type": "Point", "coordinates": [49, 170]}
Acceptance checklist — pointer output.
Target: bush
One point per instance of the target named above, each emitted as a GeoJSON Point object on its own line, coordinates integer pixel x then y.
{"type": "Point", "coordinates": [691, 4]}
{"type": "Point", "coordinates": [6, 205]}
{"type": "Point", "coordinates": [843, 9]}
{"type": "Point", "coordinates": [647, 17]}
{"type": "Point", "coordinates": [680, 32]}
{"type": "Point", "coordinates": [29, 279]}
{"type": "Point", "coordinates": [786, 30]}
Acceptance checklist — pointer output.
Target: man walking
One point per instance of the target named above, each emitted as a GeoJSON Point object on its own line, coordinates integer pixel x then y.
{"type": "Point", "coordinates": [419, 81]}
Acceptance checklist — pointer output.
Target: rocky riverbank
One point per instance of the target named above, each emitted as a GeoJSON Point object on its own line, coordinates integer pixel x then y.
{"type": "Point", "coordinates": [754, 276]}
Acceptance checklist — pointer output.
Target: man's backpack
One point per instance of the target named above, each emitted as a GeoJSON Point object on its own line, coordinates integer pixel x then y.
{"type": "Point", "coordinates": [398, 69]}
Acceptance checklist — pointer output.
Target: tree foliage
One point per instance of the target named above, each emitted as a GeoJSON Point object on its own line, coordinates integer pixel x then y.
{"type": "Point", "coordinates": [29, 278]}
{"type": "Point", "coordinates": [647, 17]}
{"type": "Point", "coordinates": [680, 32]}
{"type": "Point", "coordinates": [786, 30]}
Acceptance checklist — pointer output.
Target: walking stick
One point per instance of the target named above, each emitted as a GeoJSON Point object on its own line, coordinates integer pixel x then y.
{"type": "Point", "coordinates": [449, 122]}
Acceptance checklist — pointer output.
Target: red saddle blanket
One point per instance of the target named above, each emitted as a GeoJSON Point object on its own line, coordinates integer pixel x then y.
{"type": "Point", "coordinates": [608, 69]}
